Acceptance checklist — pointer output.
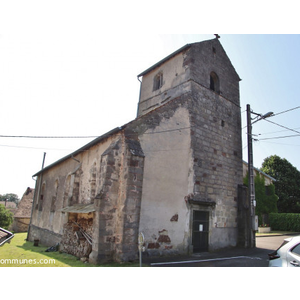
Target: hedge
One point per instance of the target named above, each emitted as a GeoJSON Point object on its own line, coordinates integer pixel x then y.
{"type": "Point", "coordinates": [285, 221]}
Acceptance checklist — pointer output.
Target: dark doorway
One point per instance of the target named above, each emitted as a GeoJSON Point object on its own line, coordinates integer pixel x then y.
{"type": "Point", "coordinates": [200, 231]}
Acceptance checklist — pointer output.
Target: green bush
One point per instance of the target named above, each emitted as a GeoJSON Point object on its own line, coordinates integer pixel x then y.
{"type": "Point", "coordinates": [266, 199]}
{"type": "Point", "coordinates": [285, 221]}
{"type": "Point", "coordinates": [6, 217]}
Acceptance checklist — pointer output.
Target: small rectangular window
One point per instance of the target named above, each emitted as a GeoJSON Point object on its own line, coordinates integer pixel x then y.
{"type": "Point", "coordinates": [158, 81]}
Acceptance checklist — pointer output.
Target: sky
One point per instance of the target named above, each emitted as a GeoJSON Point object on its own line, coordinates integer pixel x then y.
{"type": "Point", "coordinates": [70, 70]}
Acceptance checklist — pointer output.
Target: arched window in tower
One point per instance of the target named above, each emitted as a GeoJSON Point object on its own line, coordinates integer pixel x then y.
{"type": "Point", "coordinates": [158, 81]}
{"type": "Point", "coordinates": [214, 82]}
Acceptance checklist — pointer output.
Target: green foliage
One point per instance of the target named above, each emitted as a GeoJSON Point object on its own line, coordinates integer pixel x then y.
{"type": "Point", "coordinates": [285, 222]}
{"type": "Point", "coordinates": [6, 217]}
{"type": "Point", "coordinates": [266, 200]}
{"type": "Point", "coordinates": [10, 198]}
{"type": "Point", "coordinates": [287, 183]}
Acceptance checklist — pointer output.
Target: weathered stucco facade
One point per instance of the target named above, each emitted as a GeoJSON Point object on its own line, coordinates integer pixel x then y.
{"type": "Point", "coordinates": [172, 173]}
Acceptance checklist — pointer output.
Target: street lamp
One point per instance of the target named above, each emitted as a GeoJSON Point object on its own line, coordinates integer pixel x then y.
{"type": "Point", "coordinates": [251, 186]}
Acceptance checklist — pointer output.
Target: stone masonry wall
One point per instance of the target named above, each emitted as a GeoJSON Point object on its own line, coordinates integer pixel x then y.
{"type": "Point", "coordinates": [130, 201]}
{"type": "Point", "coordinates": [104, 236]}
{"type": "Point", "coordinates": [209, 56]}
{"type": "Point", "coordinates": [118, 203]}
{"type": "Point", "coordinates": [216, 146]}
{"type": "Point", "coordinates": [217, 157]}
{"type": "Point", "coordinates": [216, 142]}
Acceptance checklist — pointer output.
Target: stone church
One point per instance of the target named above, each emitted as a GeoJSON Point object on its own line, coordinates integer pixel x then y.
{"type": "Point", "coordinates": [172, 173]}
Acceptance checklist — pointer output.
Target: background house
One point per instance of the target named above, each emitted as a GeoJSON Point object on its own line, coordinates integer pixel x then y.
{"type": "Point", "coordinates": [12, 206]}
{"type": "Point", "coordinates": [268, 179]}
{"type": "Point", "coordinates": [23, 212]}
{"type": "Point", "coordinates": [265, 194]}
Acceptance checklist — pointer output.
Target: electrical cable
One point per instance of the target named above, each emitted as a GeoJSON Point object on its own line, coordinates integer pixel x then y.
{"type": "Point", "coordinates": [280, 137]}
{"type": "Point", "coordinates": [48, 137]}
{"type": "Point", "coordinates": [277, 131]}
{"type": "Point", "coordinates": [282, 126]}
{"type": "Point", "coordinates": [282, 112]}
{"type": "Point", "coordinates": [36, 148]}
{"type": "Point", "coordinates": [285, 111]}
{"type": "Point", "coordinates": [81, 137]}
{"type": "Point", "coordinates": [284, 144]}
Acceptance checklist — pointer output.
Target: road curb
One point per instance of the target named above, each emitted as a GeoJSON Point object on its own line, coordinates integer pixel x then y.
{"type": "Point", "coordinates": [279, 234]}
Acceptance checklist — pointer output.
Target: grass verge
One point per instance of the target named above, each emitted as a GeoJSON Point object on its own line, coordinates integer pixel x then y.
{"type": "Point", "coordinates": [22, 253]}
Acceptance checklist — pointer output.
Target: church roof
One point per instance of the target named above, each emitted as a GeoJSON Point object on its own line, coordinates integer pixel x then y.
{"type": "Point", "coordinates": [85, 147]}
{"type": "Point", "coordinates": [179, 51]}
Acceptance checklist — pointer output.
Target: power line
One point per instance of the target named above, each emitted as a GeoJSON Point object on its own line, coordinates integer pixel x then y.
{"type": "Point", "coordinates": [69, 137]}
{"type": "Point", "coordinates": [286, 111]}
{"type": "Point", "coordinates": [48, 137]}
{"type": "Point", "coordinates": [280, 137]}
{"type": "Point", "coordinates": [282, 112]}
{"type": "Point", "coordinates": [284, 144]}
{"type": "Point", "coordinates": [36, 148]}
{"type": "Point", "coordinates": [282, 126]}
{"type": "Point", "coordinates": [83, 137]}
{"type": "Point", "coordinates": [95, 136]}
{"type": "Point", "coordinates": [277, 131]}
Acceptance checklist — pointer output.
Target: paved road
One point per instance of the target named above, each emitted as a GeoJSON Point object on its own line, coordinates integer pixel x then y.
{"type": "Point", "coordinates": [270, 242]}
{"type": "Point", "coordinates": [257, 257]}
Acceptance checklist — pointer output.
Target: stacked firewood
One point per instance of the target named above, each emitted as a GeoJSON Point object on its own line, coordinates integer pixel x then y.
{"type": "Point", "coordinates": [77, 237]}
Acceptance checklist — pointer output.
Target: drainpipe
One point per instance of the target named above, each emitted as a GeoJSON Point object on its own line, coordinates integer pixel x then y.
{"type": "Point", "coordinates": [138, 106]}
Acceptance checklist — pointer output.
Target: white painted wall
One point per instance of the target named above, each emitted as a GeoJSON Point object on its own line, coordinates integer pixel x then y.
{"type": "Point", "coordinates": [167, 180]}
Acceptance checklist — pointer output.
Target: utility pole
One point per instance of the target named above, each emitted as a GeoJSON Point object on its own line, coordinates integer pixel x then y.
{"type": "Point", "coordinates": [251, 185]}
{"type": "Point", "coordinates": [36, 195]}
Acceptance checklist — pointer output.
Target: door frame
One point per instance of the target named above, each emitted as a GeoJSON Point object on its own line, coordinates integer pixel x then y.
{"type": "Point", "coordinates": [207, 209]}
{"type": "Point", "coordinates": [202, 232]}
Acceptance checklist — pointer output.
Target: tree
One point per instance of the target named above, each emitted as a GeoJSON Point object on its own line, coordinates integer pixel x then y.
{"type": "Point", "coordinates": [10, 198]}
{"type": "Point", "coordinates": [6, 217]}
{"type": "Point", "coordinates": [287, 183]}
